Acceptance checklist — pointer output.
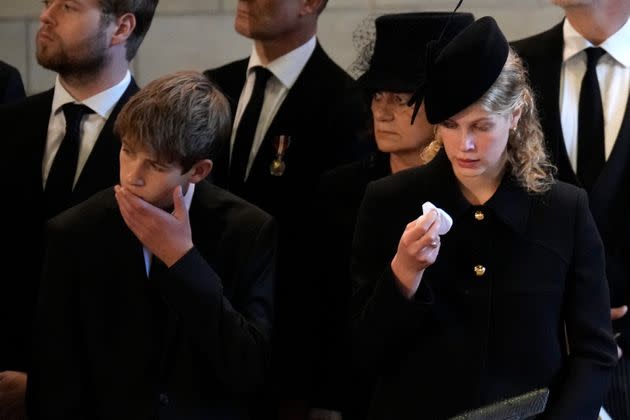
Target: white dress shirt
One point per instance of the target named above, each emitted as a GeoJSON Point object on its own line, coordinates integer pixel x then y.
{"type": "Point", "coordinates": [102, 104]}
{"type": "Point", "coordinates": [285, 71]}
{"type": "Point", "coordinates": [613, 74]}
{"type": "Point", "coordinates": [147, 254]}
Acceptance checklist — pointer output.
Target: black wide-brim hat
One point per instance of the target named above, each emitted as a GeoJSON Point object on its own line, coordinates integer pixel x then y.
{"type": "Point", "coordinates": [398, 62]}
{"type": "Point", "coordinates": [465, 69]}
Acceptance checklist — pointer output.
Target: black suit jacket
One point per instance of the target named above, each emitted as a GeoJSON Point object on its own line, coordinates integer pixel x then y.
{"type": "Point", "coordinates": [25, 127]}
{"type": "Point", "coordinates": [191, 342]}
{"type": "Point", "coordinates": [11, 86]}
{"type": "Point", "coordinates": [323, 115]}
{"type": "Point", "coordinates": [609, 197]}
{"type": "Point", "coordinates": [466, 340]}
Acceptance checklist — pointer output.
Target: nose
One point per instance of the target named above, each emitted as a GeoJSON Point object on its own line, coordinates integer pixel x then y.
{"type": "Point", "coordinates": [382, 110]}
{"type": "Point", "coordinates": [468, 142]}
{"type": "Point", "coordinates": [45, 16]}
{"type": "Point", "coordinates": [133, 175]}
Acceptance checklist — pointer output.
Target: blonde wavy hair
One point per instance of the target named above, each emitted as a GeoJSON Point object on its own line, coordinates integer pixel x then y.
{"type": "Point", "coordinates": [526, 153]}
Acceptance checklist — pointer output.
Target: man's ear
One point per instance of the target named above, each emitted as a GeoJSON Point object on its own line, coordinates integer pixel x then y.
{"type": "Point", "coordinates": [311, 7]}
{"type": "Point", "coordinates": [200, 170]}
{"type": "Point", "coordinates": [125, 24]}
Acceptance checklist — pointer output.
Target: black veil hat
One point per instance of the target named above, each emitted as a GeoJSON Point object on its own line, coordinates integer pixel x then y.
{"type": "Point", "coordinates": [399, 60]}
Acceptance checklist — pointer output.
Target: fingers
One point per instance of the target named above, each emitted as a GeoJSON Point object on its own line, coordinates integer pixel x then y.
{"type": "Point", "coordinates": [179, 207]}
{"type": "Point", "coordinates": [139, 216]}
{"type": "Point", "coordinates": [126, 206]}
{"type": "Point", "coordinates": [619, 352]}
{"type": "Point", "coordinates": [416, 229]}
{"type": "Point", "coordinates": [130, 201]}
{"type": "Point", "coordinates": [421, 240]}
{"type": "Point", "coordinates": [431, 239]}
{"type": "Point", "coordinates": [619, 312]}
{"type": "Point", "coordinates": [418, 248]}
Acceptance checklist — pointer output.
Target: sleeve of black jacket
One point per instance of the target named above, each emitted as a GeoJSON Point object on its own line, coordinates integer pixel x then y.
{"type": "Point", "coordinates": [235, 335]}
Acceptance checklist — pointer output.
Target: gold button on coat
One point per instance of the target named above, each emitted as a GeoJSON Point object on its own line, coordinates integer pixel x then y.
{"type": "Point", "coordinates": [479, 215]}
{"type": "Point", "coordinates": [480, 270]}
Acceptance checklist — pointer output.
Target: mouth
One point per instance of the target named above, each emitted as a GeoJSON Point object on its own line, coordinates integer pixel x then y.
{"type": "Point", "coordinates": [467, 163]}
{"type": "Point", "coordinates": [44, 35]}
{"type": "Point", "coordinates": [386, 132]}
{"type": "Point", "coordinates": [131, 189]}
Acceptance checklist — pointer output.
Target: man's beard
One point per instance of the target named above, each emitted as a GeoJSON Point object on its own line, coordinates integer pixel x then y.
{"type": "Point", "coordinates": [88, 60]}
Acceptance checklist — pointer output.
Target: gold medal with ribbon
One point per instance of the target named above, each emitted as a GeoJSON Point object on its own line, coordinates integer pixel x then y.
{"type": "Point", "coordinates": [280, 144]}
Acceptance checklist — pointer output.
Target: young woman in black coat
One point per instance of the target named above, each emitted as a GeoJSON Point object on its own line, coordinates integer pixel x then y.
{"type": "Point", "coordinates": [511, 299]}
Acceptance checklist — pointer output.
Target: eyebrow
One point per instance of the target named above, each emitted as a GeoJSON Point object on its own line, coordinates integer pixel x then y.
{"type": "Point", "coordinates": [484, 119]}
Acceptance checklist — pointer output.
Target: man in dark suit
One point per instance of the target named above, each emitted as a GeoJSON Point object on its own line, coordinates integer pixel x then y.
{"type": "Point", "coordinates": [296, 115]}
{"type": "Point", "coordinates": [557, 64]}
{"type": "Point", "coordinates": [156, 296]}
{"type": "Point", "coordinates": [11, 86]}
{"type": "Point", "coordinates": [89, 43]}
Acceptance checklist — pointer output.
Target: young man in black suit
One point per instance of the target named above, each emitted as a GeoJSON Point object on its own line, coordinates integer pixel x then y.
{"type": "Point", "coordinates": [89, 43]}
{"type": "Point", "coordinates": [557, 63]}
{"type": "Point", "coordinates": [11, 86]}
{"type": "Point", "coordinates": [296, 114]}
{"type": "Point", "coordinates": [156, 297]}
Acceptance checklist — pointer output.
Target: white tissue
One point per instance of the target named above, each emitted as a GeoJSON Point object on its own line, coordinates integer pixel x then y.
{"type": "Point", "coordinates": [445, 220]}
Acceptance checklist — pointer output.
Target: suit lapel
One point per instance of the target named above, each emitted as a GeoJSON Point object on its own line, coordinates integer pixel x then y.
{"type": "Point", "coordinates": [548, 75]}
{"type": "Point", "coordinates": [288, 119]}
{"type": "Point", "coordinates": [231, 80]}
{"type": "Point", "coordinates": [34, 134]}
{"type": "Point", "coordinates": [614, 170]}
{"type": "Point", "coordinates": [102, 166]}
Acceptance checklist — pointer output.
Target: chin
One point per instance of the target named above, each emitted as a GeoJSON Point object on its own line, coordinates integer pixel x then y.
{"type": "Point", "coordinates": [468, 172]}
{"type": "Point", "coordinates": [242, 26]}
{"type": "Point", "coordinates": [387, 146]}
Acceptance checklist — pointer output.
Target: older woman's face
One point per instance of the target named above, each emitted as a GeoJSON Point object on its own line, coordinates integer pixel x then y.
{"type": "Point", "coordinates": [475, 141]}
{"type": "Point", "coordinates": [392, 124]}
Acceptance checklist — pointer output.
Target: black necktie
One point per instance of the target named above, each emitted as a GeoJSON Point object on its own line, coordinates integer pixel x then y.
{"type": "Point", "coordinates": [60, 179]}
{"type": "Point", "coordinates": [591, 156]}
{"type": "Point", "coordinates": [247, 129]}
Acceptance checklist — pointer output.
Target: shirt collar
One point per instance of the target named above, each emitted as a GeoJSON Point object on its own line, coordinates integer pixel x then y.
{"type": "Point", "coordinates": [288, 67]}
{"type": "Point", "coordinates": [616, 45]}
{"type": "Point", "coordinates": [189, 195]}
{"type": "Point", "coordinates": [102, 103]}
{"type": "Point", "coordinates": [510, 203]}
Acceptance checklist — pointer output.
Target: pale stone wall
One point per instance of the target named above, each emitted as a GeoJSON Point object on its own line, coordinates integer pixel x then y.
{"type": "Point", "coordinates": [198, 34]}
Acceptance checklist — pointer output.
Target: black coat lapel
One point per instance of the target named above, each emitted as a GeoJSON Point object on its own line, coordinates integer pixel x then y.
{"type": "Point", "coordinates": [230, 79]}
{"type": "Point", "coordinates": [289, 119]}
{"type": "Point", "coordinates": [30, 134]}
{"type": "Point", "coordinates": [546, 71]}
{"type": "Point", "coordinates": [102, 167]}
{"type": "Point", "coordinates": [615, 171]}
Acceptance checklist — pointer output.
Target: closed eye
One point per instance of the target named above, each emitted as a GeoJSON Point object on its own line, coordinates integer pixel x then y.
{"type": "Point", "coordinates": [448, 124]}
{"type": "Point", "coordinates": [158, 167]}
